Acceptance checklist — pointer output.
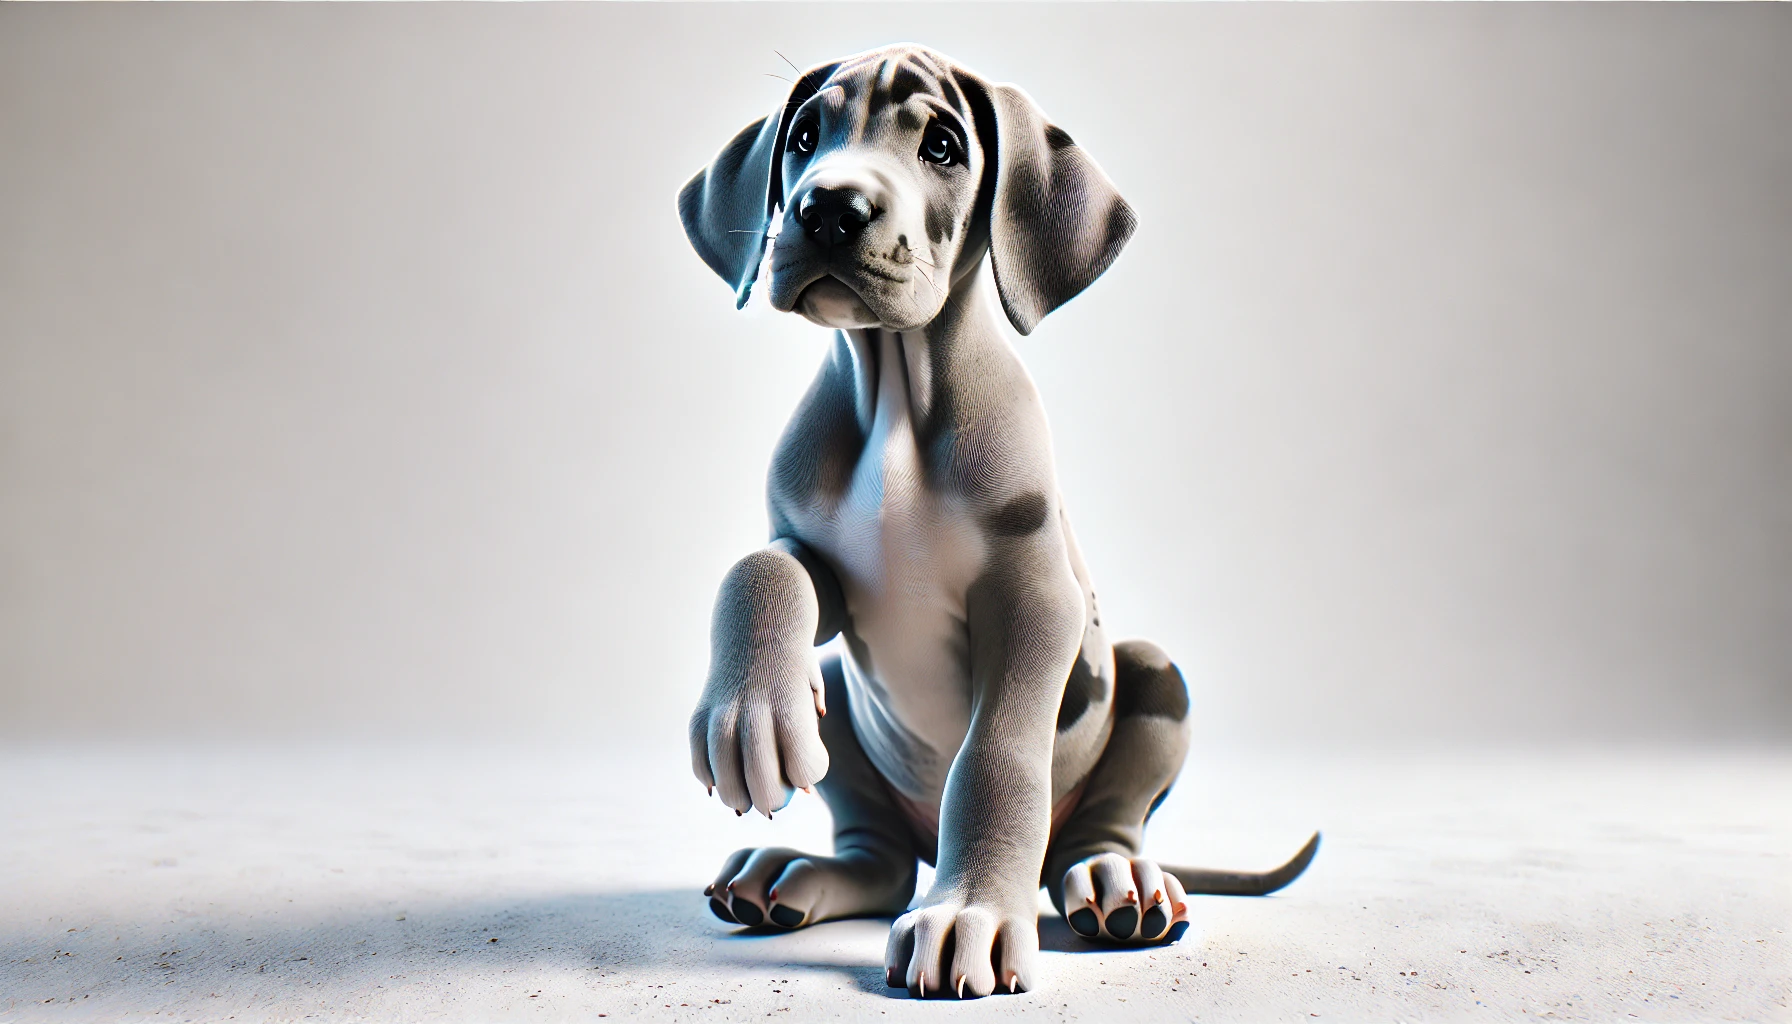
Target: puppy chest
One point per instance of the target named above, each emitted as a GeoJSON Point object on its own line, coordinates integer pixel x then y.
{"type": "Point", "coordinates": [907, 553]}
{"type": "Point", "coordinates": [906, 565]}
{"type": "Point", "coordinates": [906, 557]}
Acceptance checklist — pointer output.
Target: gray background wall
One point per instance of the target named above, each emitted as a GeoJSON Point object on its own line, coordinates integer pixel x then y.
{"type": "Point", "coordinates": [355, 376]}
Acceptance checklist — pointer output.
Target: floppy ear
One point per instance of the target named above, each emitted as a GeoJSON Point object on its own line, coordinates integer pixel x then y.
{"type": "Point", "coordinates": [1055, 220]}
{"type": "Point", "coordinates": [727, 207]}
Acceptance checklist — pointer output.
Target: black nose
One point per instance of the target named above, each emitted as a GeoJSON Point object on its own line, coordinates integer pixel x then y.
{"type": "Point", "coordinates": [834, 216]}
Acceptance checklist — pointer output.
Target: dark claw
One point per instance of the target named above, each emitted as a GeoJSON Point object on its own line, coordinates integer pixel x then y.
{"type": "Point", "coordinates": [1085, 923]}
{"type": "Point", "coordinates": [1177, 930]}
{"type": "Point", "coordinates": [786, 917]}
{"type": "Point", "coordinates": [1152, 926]}
{"type": "Point", "coordinates": [1122, 922]}
{"type": "Point", "coordinates": [747, 914]}
{"type": "Point", "coordinates": [720, 909]}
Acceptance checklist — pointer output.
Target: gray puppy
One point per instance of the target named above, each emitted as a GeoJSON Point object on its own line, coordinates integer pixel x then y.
{"type": "Point", "coordinates": [989, 725]}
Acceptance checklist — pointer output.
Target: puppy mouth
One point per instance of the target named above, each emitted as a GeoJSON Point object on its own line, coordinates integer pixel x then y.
{"type": "Point", "coordinates": [792, 277]}
{"type": "Point", "coordinates": [857, 287]}
{"type": "Point", "coordinates": [830, 302]}
{"type": "Point", "coordinates": [874, 271]}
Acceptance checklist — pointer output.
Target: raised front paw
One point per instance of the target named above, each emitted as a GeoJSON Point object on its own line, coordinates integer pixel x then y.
{"type": "Point", "coordinates": [1110, 898]}
{"type": "Point", "coordinates": [754, 735]}
{"type": "Point", "coordinates": [963, 949]}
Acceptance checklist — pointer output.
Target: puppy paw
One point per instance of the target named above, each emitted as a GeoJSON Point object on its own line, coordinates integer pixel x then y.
{"type": "Point", "coordinates": [755, 735]}
{"type": "Point", "coordinates": [1114, 899]}
{"type": "Point", "coordinates": [963, 949]}
{"type": "Point", "coordinates": [779, 887]}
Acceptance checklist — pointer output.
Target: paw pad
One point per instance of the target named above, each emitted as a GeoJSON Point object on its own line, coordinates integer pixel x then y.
{"type": "Point", "coordinates": [1123, 900]}
{"type": "Point", "coordinates": [786, 917]}
{"type": "Point", "coordinates": [747, 914]}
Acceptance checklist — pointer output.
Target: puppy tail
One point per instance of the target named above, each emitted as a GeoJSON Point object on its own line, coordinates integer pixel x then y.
{"type": "Point", "coordinates": [1202, 881]}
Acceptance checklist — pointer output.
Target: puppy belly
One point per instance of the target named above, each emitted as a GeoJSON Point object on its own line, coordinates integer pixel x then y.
{"type": "Point", "coordinates": [911, 728]}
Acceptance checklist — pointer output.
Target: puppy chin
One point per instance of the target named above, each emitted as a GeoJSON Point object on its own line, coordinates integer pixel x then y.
{"type": "Point", "coordinates": [830, 303]}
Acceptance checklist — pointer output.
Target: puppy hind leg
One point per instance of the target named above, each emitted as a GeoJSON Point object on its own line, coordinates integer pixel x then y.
{"type": "Point", "coordinates": [1093, 870]}
{"type": "Point", "coordinates": [872, 871]}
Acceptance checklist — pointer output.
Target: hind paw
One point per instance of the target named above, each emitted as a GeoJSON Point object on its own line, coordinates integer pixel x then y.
{"type": "Point", "coordinates": [789, 889]}
{"type": "Point", "coordinates": [1115, 899]}
{"type": "Point", "coordinates": [748, 888]}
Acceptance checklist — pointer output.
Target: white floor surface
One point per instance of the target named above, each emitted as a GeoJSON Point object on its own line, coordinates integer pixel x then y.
{"type": "Point", "coordinates": [418, 882]}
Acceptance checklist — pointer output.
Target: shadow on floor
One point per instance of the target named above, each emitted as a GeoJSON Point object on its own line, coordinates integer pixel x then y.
{"type": "Point", "coordinates": [665, 934]}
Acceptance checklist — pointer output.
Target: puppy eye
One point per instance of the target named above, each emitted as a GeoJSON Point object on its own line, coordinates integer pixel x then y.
{"type": "Point", "coordinates": [802, 138]}
{"type": "Point", "coordinates": [939, 147]}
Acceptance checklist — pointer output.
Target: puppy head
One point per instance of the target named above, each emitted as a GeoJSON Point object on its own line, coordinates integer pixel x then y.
{"type": "Point", "coordinates": [887, 176]}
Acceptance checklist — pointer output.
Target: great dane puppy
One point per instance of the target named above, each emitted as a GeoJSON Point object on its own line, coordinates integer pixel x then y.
{"type": "Point", "coordinates": [981, 720]}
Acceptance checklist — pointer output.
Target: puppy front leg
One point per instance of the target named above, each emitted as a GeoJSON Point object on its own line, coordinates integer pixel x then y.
{"type": "Point", "coordinates": [754, 734]}
{"type": "Point", "coordinates": [977, 931]}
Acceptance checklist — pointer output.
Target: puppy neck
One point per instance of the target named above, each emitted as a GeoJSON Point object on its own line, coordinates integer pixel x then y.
{"type": "Point", "coordinates": [911, 366]}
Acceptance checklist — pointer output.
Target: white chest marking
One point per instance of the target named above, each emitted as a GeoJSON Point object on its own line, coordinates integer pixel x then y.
{"type": "Point", "coordinates": [907, 556]}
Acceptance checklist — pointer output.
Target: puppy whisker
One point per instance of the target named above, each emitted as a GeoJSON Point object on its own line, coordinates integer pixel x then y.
{"type": "Point", "coordinates": [913, 257]}
{"type": "Point", "coordinates": [925, 276]}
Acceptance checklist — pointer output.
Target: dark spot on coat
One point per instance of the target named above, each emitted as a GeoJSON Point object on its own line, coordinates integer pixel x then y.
{"type": "Point", "coordinates": [1057, 138]}
{"type": "Point", "coordinates": [1083, 688]}
{"type": "Point", "coordinates": [1019, 517]}
{"type": "Point", "coordinates": [1147, 683]}
{"type": "Point", "coordinates": [950, 92]}
{"type": "Point", "coordinates": [940, 224]}
{"type": "Point", "coordinates": [908, 80]}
